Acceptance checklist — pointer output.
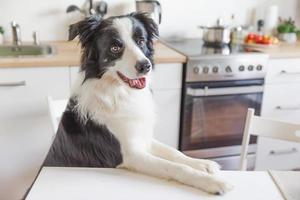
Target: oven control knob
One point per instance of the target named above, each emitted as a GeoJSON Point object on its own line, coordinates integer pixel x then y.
{"type": "Point", "coordinates": [228, 69]}
{"type": "Point", "coordinates": [196, 70]}
{"type": "Point", "coordinates": [259, 67]}
{"type": "Point", "coordinates": [205, 70]}
{"type": "Point", "coordinates": [250, 67]}
{"type": "Point", "coordinates": [215, 69]}
{"type": "Point", "coordinates": [241, 68]}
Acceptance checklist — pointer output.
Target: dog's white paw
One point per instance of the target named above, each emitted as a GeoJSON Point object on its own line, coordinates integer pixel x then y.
{"type": "Point", "coordinates": [217, 186]}
{"type": "Point", "coordinates": [205, 166]}
{"type": "Point", "coordinates": [212, 167]}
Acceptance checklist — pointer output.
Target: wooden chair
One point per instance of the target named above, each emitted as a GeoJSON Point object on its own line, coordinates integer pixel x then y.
{"type": "Point", "coordinates": [264, 127]}
{"type": "Point", "coordinates": [56, 109]}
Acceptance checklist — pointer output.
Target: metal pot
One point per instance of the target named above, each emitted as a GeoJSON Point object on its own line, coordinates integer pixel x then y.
{"type": "Point", "coordinates": [216, 34]}
{"type": "Point", "coordinates": [152, 7]}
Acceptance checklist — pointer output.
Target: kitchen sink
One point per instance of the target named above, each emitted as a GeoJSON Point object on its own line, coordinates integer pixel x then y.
{"type": "Point", "coordinates": [25, 50]}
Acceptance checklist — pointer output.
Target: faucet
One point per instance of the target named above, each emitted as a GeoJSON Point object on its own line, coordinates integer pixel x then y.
{"type": "Point", "coordinates": [16, 33]}
{"type": "Point", "coordinates": [35, 38]}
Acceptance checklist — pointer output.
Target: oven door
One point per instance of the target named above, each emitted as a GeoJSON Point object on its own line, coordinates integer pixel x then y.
{"type": "Point", "coordinates": [214, 114]}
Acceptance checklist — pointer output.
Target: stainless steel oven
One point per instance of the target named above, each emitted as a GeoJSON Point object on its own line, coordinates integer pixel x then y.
{"type": "Point", "coordinates": [219, 86]}
{"type": "Point", "coordinates": [213, 118]}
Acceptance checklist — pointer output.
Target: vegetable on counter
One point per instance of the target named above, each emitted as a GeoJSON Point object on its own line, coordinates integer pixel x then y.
{"type": "Point", "coordinates": [253, 38]}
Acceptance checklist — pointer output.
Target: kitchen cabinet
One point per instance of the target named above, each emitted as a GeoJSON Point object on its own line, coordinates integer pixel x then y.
{"type": "Point", "coordinates": [281, 101]}
{"type": "Point", "coordinates": [25, 128]}
{"type": "Point", "coordinates": [166, 83]}
{"type": "Point", "coordinates": [73, 72]}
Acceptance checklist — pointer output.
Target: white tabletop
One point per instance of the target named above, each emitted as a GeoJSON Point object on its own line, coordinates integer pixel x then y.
{"type": "Point", "coordinates": [288, 183]}
{"type": "Point", "coordinates": [92, 183]}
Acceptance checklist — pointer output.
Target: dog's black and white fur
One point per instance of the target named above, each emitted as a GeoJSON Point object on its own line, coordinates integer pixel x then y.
{"type": "Point", "coordinates": [110, 116]}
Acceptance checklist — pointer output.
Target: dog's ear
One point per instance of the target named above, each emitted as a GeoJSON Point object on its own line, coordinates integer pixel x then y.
{"type": "Point", "coordinates": [152, 31]}
{"type": "Point", "coordinates": [149, 24]}
{"type": "Point", "coordinates": [85, 29]}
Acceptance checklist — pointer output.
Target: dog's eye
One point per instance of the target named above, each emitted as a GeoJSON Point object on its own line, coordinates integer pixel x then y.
{"type": "Point", "coordinates": [140, 42]}
{"type": "Point", "coordinates": [115, 49]}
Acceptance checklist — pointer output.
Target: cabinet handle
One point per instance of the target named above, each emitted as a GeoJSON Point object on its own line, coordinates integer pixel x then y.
{"type": "Point", "coordinates": [283, 72]}
{"type": "Point", "coordinates": [297, 107]}
{"type": "Point", "coordinates": [283, 151]}
{"type": "Point", "coordinates": [12, 84]}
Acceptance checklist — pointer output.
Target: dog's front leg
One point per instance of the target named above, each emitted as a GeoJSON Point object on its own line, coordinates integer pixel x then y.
{"type": "Point", "coordinates": [163, 151]}
{"type": "Point", "coordinates": [144, 162]}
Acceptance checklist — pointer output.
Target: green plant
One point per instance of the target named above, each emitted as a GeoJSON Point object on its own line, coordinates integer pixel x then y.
{"type": "Point", "coordinates": [287, 26]}
{"type": "Point", "coordinates": [1, 30]}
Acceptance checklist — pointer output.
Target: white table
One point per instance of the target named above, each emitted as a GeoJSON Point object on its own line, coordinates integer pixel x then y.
{"type": "Point", "coordinates": [288, 182]}
{"type": "Point", "coordinates": [95, 183]}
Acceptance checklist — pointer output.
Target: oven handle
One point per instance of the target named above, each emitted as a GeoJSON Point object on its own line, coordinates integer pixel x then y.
{"type": "Point", "coordinates": [223, 91]}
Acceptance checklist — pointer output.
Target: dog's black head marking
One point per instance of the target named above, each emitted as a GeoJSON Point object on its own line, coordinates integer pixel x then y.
{"type": "Point", "coordinates": [102, 45]}
{"type": "Point", "coordinates": [151, 29]}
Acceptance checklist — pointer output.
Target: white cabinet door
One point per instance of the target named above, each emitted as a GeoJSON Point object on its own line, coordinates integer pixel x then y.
{"type": "Point", "coordinates": [73, 74]}
{"type": "Point", "coordinates": [25, 128]}
{"type": "Point", "coordinates": [282, 102]}
{"type": "Point", "coordinates": [277, 154]}
{"type": "Point", "coordinates": [166, 84]}
{"type": "Point", "coordinates": [167, 76]}
{"type": "Point", "coordinates": [168, 116]}
{"type": "Point", "coordinates": [283, 71]}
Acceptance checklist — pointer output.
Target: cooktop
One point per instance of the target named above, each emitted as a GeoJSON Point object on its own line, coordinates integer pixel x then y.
{"type": "Point", "coordinates": [196, 47]}
{"type": "Point", "coordinates": [219, 62]}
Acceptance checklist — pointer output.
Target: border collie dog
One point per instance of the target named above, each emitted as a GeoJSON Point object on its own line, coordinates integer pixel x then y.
{"type": "Point", "coordinates": [110, 116]}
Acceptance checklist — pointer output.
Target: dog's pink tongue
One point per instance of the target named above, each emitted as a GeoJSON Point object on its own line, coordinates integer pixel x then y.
{"type": "Point", "coordinates": [139, 83]}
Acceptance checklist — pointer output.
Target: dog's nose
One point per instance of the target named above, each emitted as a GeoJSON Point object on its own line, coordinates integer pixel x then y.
{"type": "Point", "coordinates": [143, 67]}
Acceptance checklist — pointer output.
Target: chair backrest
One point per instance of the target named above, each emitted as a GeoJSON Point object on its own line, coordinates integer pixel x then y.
{"type": "Point", "coordinates": [265, 127]}
{"type": "Point", "coordinates": [56, 109]}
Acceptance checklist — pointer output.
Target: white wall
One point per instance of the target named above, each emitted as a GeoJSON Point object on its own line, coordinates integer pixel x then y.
{"type": "Point", "coordinates": [179, 17]}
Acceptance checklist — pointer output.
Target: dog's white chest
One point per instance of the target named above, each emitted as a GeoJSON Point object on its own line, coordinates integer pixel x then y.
{"type": "Point", "coordinates": [134, 118]}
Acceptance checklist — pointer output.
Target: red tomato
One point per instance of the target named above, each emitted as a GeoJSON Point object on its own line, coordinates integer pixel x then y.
{"type": "Point", "coordinates": [251, 36]}
{"type": "Point", "coordinates": [259, 39]}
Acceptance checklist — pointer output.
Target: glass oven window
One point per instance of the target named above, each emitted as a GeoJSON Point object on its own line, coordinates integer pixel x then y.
{"type": "Point", "coordinates": [216, 121]}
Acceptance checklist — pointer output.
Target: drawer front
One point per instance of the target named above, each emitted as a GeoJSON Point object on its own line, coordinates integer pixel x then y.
{"type": "Point", "coordinates": [25, 127]}
{"type": "Point", "coordinates": [277, 154]}
{"type": "Point", "coordinates": [23, 91]}
{"type": "Point", "coordinates": [282, 102]}
{"type": "Point", "coordinates": [167, 76]}
{"type": "Point", "coordinates": [283, 71]}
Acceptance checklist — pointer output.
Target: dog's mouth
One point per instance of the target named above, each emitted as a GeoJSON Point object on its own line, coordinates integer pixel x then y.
{"type": "Point", "coordinates": [138, 83]}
